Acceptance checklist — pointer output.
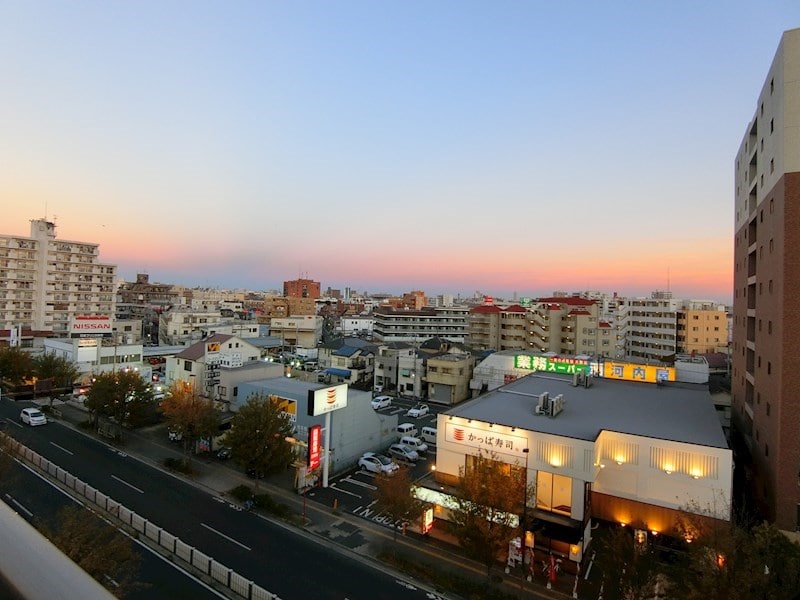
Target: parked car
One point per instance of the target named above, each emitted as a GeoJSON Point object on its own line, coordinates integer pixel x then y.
{"type": "Point", "coordinates": [377, 389]}
{"type": "Point", "coordinates": [381, 402]}
{"type": "Point", "coordinates": [419, 410]}
{"type": "Point", "coordinates": [377, 463]}
{"type": "Point", "coordinates": [175, 435]}
{"type": "Point", "coordinates": [414, 443]}
{"type": "Point", "coordinates": [403, 452]}
{"type": "Point", "coordinates": [224, 453]}
{"type": "Point", "coordinates": [33, 417]}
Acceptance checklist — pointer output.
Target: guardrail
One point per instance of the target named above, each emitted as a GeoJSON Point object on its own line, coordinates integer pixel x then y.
{"type": "Point", "coordinates": [190, 555]}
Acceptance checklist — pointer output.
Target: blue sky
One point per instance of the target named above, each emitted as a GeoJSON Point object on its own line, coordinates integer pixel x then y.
{"type": "Point", "coordinates": [505, 147]}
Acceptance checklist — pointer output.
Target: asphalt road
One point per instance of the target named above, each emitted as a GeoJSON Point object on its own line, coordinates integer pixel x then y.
{"type": "Point", "coordinates": [38, 501]}
{"type": "Point", "coordinates": [276, 557]}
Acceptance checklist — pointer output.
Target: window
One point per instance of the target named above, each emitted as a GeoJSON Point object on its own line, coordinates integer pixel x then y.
{"type": "Point", "coordinates": [187, 365]}
{"type": "Point", "coordinates": [771, 245]}
{"type": "Point", "coordinates": [772, 125]}
{"type": "Point", "coordinates": [769, 368]}
{"type": "Point", "coordinates": [772, 89]}
{"type": "Point", "coordinates": [768, 407]}
{"type": "Point", "coordinates": [769, 326]}
{"type": "Point", "coordinates": [554, 493]}
{"type": "Point", "coordinates": [771, 165]}
{"type": "Point", "coordinates": [770, 286]}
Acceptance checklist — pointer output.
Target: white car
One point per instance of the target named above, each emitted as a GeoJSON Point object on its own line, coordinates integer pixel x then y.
{"type": "Point", "coordinates": [377, 463]}
{"type": "Point", "coordinates": [403, 452]}
{"type": "Point", "coordinates": [33, 417]}
{"type": "Point", "coordinates": [420, 410]}
{"type": "Point", "coordinates": [381, 402]}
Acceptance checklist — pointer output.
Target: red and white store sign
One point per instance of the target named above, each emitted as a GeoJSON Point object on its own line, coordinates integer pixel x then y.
{"type": "Point", "coordinates": [91, 326]}
{"type": "Point", "coordinates": [485, 438]}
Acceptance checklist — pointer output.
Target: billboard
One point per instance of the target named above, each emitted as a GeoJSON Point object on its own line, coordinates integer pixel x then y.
{"type": "Point", "coordinates": [327, 399]}
{"type": "Point", "coordinates": [91, 326]}
{"type": "Point", "coordinates": [551, 364]}
{"type": "Point", "coordinates": [635, 372]}
{"type": "Point", "coordinates": [314, 446]}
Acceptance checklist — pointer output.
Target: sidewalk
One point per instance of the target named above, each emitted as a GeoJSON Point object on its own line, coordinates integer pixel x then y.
{"type": "Point", "coordinates": [364, 539]}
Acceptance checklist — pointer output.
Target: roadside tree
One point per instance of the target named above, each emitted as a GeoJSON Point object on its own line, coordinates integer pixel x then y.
{"type": "Point", "coordinates": [193, 416]}
{"type": "Point", "coordinates": [55, 374]}
{"type": "Point", "coordinates": [16, 365]}
{"type": "Point", "coordinates": [394, 496]}
{"type": "Point", "coordinates": [102, 551]}
{"type": "Point", "coordinates": [258, 437]}
{"type": "Point", "coordinates": [486, 510]}
{"type": "Point", "coordinates": [122, 396]}
{"type": "Point", "coordinates": [630, 569]}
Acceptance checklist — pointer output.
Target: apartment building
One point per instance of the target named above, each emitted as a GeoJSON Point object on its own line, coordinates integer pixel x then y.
{"type": "Point", "coordinates": [301, 288]}
{"type": "Point", "coordinates": [569, 325]}
{"type": "Point", "coordinates": [647, 328]}
{"type": "Point", "coordinates": [46, 282]}
{"type": "Point", "coordinates": [491, 327]}
{"type": "Point", "coordinates": [702, 328]}
{"type": "Point", "coordinates": [766, 316]}
{"type": "Point", "coordinates": [414, 326]}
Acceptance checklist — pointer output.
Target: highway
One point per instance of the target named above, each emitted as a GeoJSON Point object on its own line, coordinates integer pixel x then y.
{"type": "Point", "coordinates": [37, 501]}
{"type": "Point", "coordinates": [275, 556]}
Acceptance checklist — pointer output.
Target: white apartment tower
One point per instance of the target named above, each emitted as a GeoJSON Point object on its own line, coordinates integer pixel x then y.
{"type": "Point", "coordinates": [45, 282]}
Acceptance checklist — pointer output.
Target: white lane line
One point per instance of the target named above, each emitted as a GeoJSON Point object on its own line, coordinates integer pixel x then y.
{"type": "Point", "coordinates": [361, 483]}
{"type": "Point", "coordinates": [13, 422]}
{"type": "Point", "coordinates": [219, 533]}
{"type": "Point", "coordinates": [338, 489]}
{"type": "Point", "coordinates": [19, 506]}
{"type": "Point", "coordinates": [62, 449]}
{"type": "Point", "coordinates": [130, 485]}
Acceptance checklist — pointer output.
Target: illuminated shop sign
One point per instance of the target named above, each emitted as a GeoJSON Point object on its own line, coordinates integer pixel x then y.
{"type": "Point", "coordinates": [633, 372]}
{"type": "Point", "coordinates": [485, 439]}
{"type": "Point", "coordinates": [551, 364]}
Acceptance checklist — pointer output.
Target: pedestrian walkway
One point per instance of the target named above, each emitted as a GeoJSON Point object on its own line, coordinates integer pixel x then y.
{"type": "Point", "coordinates": [364, 539]}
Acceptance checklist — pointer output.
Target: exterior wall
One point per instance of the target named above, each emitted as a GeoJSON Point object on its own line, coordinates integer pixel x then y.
{"type": "Point", "coordinates": [447, 378]}
{"type": "Point", "coordinates": [182, 326]}
{"type": "Point", "coordinates": [303, 330]}
{"type": "Point", "coordinates": [232, 352]}
{"type": "Point", "coordinates": [766, 322]}
{"type": "Point", "coordinates": [415, 326]}
{"type": "Point", "coordinates": [301, 288]}
{"type": "Point", "coordinates": [702, 330]}
{"type": "Point", "coordinates": [649, 327]}
{"type": "Point", "coordinates": [98, 355]}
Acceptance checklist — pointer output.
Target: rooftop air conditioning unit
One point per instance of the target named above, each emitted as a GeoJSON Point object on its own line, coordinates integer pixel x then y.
{"type": "Point", "coordinates": [543, 407]}
{"type": "Point", "coordinates": [556, 405]}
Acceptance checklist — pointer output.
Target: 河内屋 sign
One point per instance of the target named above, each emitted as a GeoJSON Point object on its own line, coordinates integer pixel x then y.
{"type": "Point", "coordinates": [485, 438]}
{"type": "Point", "coordinates": [91, 326]}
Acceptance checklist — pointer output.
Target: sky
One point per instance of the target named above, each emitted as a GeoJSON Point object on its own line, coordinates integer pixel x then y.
{"type": "Point", "coordinates": [507, 148]}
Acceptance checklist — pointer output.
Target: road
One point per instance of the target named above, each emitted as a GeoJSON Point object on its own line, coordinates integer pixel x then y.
{"type": "Point", "coordinates": [275, 556]}
{"type": "Point", "coordinates": [36, 500]}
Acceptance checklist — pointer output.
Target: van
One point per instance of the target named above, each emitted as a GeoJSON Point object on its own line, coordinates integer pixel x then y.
{"type": "Point", "coordinates": [407, 429]}
{"type": "Point", "coordinates": [429, 435]}
{"type": "Point", "coordinates": [414, 443]}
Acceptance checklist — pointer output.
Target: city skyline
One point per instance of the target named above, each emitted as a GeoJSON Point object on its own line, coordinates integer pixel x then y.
{"type": "Point", "coordinates": [452, 148]}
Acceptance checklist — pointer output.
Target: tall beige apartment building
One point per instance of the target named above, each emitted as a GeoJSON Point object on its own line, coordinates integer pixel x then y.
{"type": "Point", "coordinates": [766, 312]}
{"type": "Point", "coordinates": [45, 282]}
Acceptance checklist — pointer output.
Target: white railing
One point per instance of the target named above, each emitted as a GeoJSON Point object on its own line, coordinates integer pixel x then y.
{"type": "Point", "coordinates": [220, 574]}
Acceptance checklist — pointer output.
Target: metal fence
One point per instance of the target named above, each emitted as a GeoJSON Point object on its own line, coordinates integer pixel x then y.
{"type": "Point", "coordinates": [203, 563]}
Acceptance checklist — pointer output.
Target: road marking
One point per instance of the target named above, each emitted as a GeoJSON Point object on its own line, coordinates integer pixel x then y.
{"type": "Point", "coordinates": [219, 533]}
{"type": "Point", "coordinates": [19, 506]}
{"type": "Point", "coordinates": [338, 489]}
{"type": "Point", "coordinates": [361, 483]}
{"type": "Point", "coordinates": [130, 485]}
{"type": "Point", "coordinates": [13, 422]}
{"type": "Point", "coordinates": [63, 449]}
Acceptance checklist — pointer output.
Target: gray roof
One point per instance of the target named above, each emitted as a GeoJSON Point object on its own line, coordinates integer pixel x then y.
{"type": "Point", "coordinates": [680, 412]}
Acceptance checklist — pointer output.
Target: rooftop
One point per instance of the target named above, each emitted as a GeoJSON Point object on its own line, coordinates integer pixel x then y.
{"type": "Point", "coordinates": [679, 412]}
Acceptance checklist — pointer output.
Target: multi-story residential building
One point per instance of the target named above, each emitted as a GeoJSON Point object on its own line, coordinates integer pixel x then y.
{"type": "Point", "coordinates": [387, 364]}
{"type": "Point", "coordinates": [766, 318]}
{"type": "Point", "coordinates": [45, 282]}
{"type": "Point", "coordinates": [447, 377]}
{"type": "Point", "coordinates": [349, 360]}
{"type": "Point", "coordinates": [569, 325]}
{"type": "Point", "coordinates": [702, 328]}
{"type": "Point", "coordinates": [647, 328]}
{"type": "Point", "coordinates": [301, 288]}
{"type": "Point", "coordinates": [414, 326]}
{"type": "Point", "coordinates": [303, 330]}
{"type": "Point", "coordinates": [491, 327]}
{"type": "Point", "coordinates": [146, 301]}
{"type": "Point", "coordinates": [181, 326]}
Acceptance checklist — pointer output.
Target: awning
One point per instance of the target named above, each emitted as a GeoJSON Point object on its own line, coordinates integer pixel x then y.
{"type": "Point", "coordinates": [338, 372]}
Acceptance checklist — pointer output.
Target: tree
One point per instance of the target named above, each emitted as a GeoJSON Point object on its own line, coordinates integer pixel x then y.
{"type": "Point", "coordinates": [394, 496]}
{"type": "Point", "coordinates": [488, 502]}
{"type": "Point", "coordinates": [630, 569]}
{"type": "Point", "coordinates": [122, 396]}
{"type": "Point", "coordinates": [98, 548]}
{"type": "Point", "coordinates": [257, 436]}
{"type": "Point", "coordinates": [55, 372]}
{"type": "Point", "coordinates": [737, 562]}
{"type": "Point", "coordinates": [195, 417]}
{"type": "Point", "coordinates": [16, 365]}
